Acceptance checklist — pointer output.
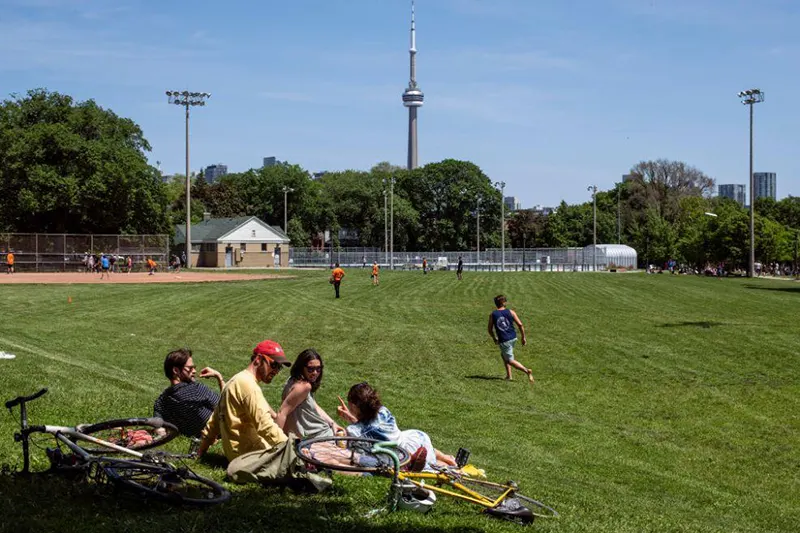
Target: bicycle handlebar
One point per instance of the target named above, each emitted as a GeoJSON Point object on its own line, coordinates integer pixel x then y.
{"type": "Point", "coordinates": [23, 399]}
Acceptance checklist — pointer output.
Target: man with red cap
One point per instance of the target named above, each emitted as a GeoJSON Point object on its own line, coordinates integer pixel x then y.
{"type": "Point", "coordinates": [257, 448]}
{"type": "Point", "coordinates": [243, 418]}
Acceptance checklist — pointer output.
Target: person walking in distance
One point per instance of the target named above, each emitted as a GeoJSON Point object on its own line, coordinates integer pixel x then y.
{"type": "Point", "coordinates": [375, 272]}
{"type": "Point", "coordinates": [501, 323]}
{"type": "Point", "coordinates": [10, 262]}
{"type": "Point", "coordinates": [424, 266]}
{"type": "Point", "coordinates": [105, 265]}
{"type": "Point", "coordinates": [336, 278]}
{"type": "Point", "coordinates": [460, 268]}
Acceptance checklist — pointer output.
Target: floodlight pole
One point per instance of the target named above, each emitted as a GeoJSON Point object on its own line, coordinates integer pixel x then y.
{"type": "Point", "coordinates": [502, 185]}
{"type": "Point", "coordinates": [286, 191]}
{"type": "Point", "coordinates": [593, 188]}
{"type": "Point", "coordinates": [188, 99]}
{"type": "Point", "coordinates": [619, 219]}
{"type": "Point", "coordinates": [385, 224]}
{"type": "Point", "coordinates": [478, 232]}
{"type": "Point", "coordinates": [750, 97]}
{"type": "Point", "coordinates": [391, 224]}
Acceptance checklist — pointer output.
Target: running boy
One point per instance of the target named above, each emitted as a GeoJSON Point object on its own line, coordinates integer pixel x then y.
{"type": "Point", "coordinates": [502, 321]}
{"type": "Point", "coordinates": [375, 272]}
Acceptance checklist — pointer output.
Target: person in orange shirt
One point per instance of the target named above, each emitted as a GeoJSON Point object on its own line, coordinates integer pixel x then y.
{"type": "Point", "coordinates": [336, 278]}
{"type": "Point", "coordinates": [375, 270]}
{"type": "Point", "coordinates": [10, 262]}
{"type": "Point", "coordinates": [151, 265]}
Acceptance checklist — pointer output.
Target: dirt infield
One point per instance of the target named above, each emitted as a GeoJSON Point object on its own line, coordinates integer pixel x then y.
{"type": "Point", "coordinates": [136, 277]}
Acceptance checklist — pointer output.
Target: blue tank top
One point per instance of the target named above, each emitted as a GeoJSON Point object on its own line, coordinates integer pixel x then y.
{"type": "Point", "coordinates": [504, 325]}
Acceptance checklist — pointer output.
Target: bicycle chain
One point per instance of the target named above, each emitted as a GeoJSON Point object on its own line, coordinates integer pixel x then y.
{"type": "Point", "coordinates": [97, 474]}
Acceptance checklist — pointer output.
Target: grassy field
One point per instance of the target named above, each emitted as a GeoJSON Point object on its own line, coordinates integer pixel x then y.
{"type": "Point", "coordinates": [661, 403]}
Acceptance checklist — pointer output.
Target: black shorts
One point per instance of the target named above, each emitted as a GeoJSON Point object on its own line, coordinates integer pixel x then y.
{"type": "Point", "coordinates": [105, 269]}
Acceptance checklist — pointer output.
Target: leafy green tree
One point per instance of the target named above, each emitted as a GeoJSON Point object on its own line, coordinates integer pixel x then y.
{"type": "Point", "coordinates": [445, 197]}
{"type": "Point", "coordinates": [69, 166]}
{"type": "Point", "coordinates": [526, 228]}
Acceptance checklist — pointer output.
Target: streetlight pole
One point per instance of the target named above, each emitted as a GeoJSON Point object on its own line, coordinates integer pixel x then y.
{"type": "Point", "coordinates": [593, 188]}
{"type": "Point", "coordinates": [502, 185]}
{"type": "Point", "coordinates": [750, 97]}
{"type": "Point", "coordinates": [286, 191]}
{"type": "Point", "coordinates": [619, 219]}
{"type": "Point", "coordinates": [385, 224]}
{"type": "Point", "coordinates": [478, 232]}
{"type": "Point", "coordinates": [391, 224]}
{"type": "Point", "coordinates": [188, 99]}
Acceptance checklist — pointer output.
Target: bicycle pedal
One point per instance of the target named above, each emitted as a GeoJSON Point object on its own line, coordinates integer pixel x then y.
{"type": "Point", "coordinates": [462, 457]}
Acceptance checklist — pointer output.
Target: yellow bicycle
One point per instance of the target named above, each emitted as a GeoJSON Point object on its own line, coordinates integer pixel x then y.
{"type": "Point", "coordinates": [413, 490]}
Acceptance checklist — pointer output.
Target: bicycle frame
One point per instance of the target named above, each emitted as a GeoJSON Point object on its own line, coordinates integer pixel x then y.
{"type": "Point", "coordinates": [61, 433]}
{"type": "Point", "coordinates": [441, 478]}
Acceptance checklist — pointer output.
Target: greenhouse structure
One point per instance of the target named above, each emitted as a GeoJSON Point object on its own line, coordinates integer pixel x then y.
{"type": "Point", "coordinates": [608, 256]}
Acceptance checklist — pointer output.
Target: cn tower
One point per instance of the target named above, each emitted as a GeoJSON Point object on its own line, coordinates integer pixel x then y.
{"type": "Point", "coordinates": [412, 97]}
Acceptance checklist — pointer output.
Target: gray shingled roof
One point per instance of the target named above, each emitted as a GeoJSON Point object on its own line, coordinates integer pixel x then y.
{"type": "Point", "coordinates": [213, 229]}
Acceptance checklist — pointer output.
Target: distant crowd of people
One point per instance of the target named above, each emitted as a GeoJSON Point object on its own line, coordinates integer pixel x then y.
{"type": "Point", "coordinates": [106, 264]}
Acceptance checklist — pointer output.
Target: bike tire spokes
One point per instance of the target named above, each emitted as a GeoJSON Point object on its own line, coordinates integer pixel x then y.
{"type": "Point", "coordinates": [133, 434]}
{"type": "Point", "coordinates": [348, 454]}
{"type": "Point", "coordinates": [165, 483]}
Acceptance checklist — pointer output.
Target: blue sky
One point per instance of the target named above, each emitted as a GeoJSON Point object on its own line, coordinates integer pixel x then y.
{"type": "Point", "coordinates": [550, 96]}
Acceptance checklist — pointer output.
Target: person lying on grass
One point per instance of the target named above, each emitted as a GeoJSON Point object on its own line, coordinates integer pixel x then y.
{"type": "Point", "coordinates": [370, 419]}
{"type": "Point", "coordinates": [299, 413]}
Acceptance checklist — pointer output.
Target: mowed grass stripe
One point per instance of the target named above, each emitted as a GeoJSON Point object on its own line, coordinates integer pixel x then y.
{"type": "Point", "coordinates": [662, 403]}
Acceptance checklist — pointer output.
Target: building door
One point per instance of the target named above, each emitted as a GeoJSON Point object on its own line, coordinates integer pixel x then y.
{"type": "Point", "coordinates": [228, 256]}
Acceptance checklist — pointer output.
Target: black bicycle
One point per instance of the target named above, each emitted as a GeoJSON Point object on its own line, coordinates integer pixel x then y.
{"type": "Point", "coordinates": [94, 451]}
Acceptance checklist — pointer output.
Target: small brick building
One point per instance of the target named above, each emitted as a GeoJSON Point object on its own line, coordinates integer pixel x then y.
{"type": "Point", "coordinates": [235, 242]}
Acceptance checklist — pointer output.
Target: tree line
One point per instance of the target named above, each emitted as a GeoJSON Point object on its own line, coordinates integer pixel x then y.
{"type": "Point", "coordinates": [74, 167]}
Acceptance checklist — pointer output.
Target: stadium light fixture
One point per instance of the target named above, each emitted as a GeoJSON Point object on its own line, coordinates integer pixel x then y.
{"type": "Point", "coordinates": [751, 97]}
{"type": "Point", "coordinates": [187, 100]}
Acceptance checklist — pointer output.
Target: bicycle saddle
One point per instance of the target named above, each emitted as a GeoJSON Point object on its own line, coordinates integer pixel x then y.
{"type": "Point", "coordinates": [511, 509]}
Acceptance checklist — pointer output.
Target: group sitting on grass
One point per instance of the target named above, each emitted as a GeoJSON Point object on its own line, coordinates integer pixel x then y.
{"type": "Point", "coordinates": [255, 438]}
{"type": "Point", "coordinates": [258, 441]}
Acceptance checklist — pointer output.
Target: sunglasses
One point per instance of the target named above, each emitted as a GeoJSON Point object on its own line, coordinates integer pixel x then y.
{"type": "Point", "coordinates": [190, 367]}
{"type": "Point", "coordinates": [272, 364]}
{"type": "Point", "coordinates": [314, 368]}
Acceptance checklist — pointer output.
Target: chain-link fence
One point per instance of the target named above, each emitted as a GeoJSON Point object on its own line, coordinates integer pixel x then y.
{"type": "Point", "coordinates": [49, 252]}
{"type": "Point", "coordinates": [528, 259]}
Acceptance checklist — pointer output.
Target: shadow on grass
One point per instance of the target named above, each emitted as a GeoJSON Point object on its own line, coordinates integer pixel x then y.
{"type": "Point", "coordinates": [706, 324]}
{"type": "Point", "coordinates": [486, 378]}
{"type": "Point", "coordinates": [793, 288]}
{"type": "Point", "coordinates": [45, 502]}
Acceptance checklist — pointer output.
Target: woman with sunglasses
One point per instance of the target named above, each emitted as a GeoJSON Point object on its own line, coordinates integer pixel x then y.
{"type": "Point", "coordinates": [370, 419]}
{"type": "Point", "coordinates": [299, 413]}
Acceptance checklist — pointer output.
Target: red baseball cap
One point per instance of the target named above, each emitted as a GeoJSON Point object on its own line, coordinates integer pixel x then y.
{"type": "Point", "coordinates": [273, 350]}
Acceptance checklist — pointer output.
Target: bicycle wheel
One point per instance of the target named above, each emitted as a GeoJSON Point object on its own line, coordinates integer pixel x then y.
{"type": "Point", "coordinates": [511, 503]}
{"type": "Point", "coordinates": [178, 486]}
{"type": "Point", "coordinates": [539, 509]}
{"type": "Point", "coordinates": [348, 454]}
{"type": "Point", "coordinates": [130, 433]}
